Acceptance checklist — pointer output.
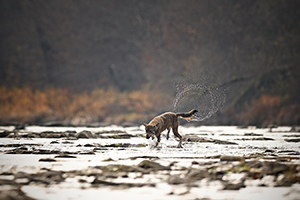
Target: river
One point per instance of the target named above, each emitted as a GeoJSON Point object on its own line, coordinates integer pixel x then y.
{"type": "Point", "coordinates": [114, 162]}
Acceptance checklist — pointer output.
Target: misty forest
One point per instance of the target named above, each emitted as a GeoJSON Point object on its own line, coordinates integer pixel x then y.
{"type": "Point", "coordinates": [118, 62]}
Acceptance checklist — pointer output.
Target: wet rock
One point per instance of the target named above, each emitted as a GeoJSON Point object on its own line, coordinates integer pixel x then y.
{"type": "Point", "coordinates": [125, 185]}
{"type": "Point", "coordinates": [126, 145]}
{"type": "Point", "coordinates": [7, 182]}
{"type": "Point", "coordinates": [31, 135]}
{"type": "Point", "coordinates": [89, 145]}
{"type": "Point", "coordinates": [284, 181]}
{"type": "Point", "coordinates": [196, 174]}
{"type": "Point", "coordinates": [175, 180]}
{"type": "Point", "coordinates": [50, 176]}
{"type": "Point", "coordinates": [47, 160]}
{"type": "Point", "coordinates": [291, 135]}
{"type": "Point", "coordinates": [213, 157]}
{"type": "Point", "coordinates": [123, 168]}
{"type": "Point", "coordinates": [42, 177]}
{"type": "Point", "coordinates": [253, 134]}
{"type": "Point", "coordinates": [289, 176]}
{"type": "Point", "coordinates": [101, 182]}
{"type": "Point", "coordinates": [108, 160]}
{"type": "Point", "coordinates": [144, 157]}
{"type": "Point", "coordinates": [117, 135]}
{"type": "Point", "coordinates": [51, 134]}
{"type": "Point", "coordinates": [5, 134]}
{"type": "Point", "coordinates": [234, 186]}
{"type": "Point", "coordinates": [193, 138]}
{"type": "Point", "coordinates": [224, 142]}
{"type": "Point", "coordinates": [258, 139]}
{"type": "Point", "coordinates": [255, 164]}
{"type": "Point", "coordinates": [122, 136]}
{"type": "Point", "coordinates": [228, 134]}
{"type": "Point", "coordinates": [269, 151]}
{"type": "Point", "coordinates": [254, 155]}
{"type": "Point", "coordinates": [138, 145]}
{"type": "Point", "coordinates": [85, 134]}
{"type": "Point", "coordinates": [195, 163]}
{"type": "Point", "coordinates": [14, 194]}
{"type": "Point", "coordinates": [274, 168]}
{"type": "Point", "coordinates": [42, 151]}
{"type": "Point", "coordinates": [289, 152]}
{"type": "Point", "coordinates": [292, 140]}
{"type": "Point", "coordinates": [147, 164]}
{"type": "Point", "coordinates": [54, 142]}
{"type": "Point", "coordinates": [110, 132]}
{"type": "Point", "coordinates": [100, 149]}
{"type": "Point", "coordinates": [19, 151]}
{"type": "Point", "coordinates": [295, 129]}
{"type": "Point", "coordinates": [263, 138]}
{"type": "Point", "coordinates": [67, 142]}
{"type": "Point", "coordinates": [231, 158]}
{"type": "Point", "coordinates": [64, 156]}
{"type": "Point", "coordinates": [11, 145]}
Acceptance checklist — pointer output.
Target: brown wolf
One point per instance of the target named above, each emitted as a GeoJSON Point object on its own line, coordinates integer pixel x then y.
{"type": "Point", "coordinates": [167, 121]}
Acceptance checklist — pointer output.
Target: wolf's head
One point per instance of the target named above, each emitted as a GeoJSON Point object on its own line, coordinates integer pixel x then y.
{"type": "Point", "coordinates": [151, 130]}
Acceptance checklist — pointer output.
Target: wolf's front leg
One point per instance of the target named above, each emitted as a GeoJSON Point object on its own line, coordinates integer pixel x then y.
{"type": "Point", "coordinates": [158, 140]}
{"type": "Point", "coordinates": [168, 133]}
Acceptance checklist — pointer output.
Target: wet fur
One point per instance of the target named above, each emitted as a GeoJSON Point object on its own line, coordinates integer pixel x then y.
{"type": "Point", "coordinates": [167, 121]}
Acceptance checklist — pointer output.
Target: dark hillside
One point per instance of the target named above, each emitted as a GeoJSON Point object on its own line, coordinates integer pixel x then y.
{"type": "Point", "coordinates": [252, 47]}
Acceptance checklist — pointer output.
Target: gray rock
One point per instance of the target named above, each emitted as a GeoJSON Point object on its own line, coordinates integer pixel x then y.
{"type": "Point", "coordinates": [47, 160]}
{"type": "Point", "coordinates": [273, 168]}
{"type": "Point", "coordinates": [234, 186]}
{"type": "Point", "coordinates": [175, 180]}
{"type": "Point", "coordinates": [147, 164]}
{"type": "Point", "coordinates": [85, 134]}
{"type": "Point", "coordinates": [292, 140]}
{"type": "Point", "coordinates": [231, 158]}
{"type": "Point", "coordinates": [253, 134]}
{"type": "Point", "coordinates": [196, 174]}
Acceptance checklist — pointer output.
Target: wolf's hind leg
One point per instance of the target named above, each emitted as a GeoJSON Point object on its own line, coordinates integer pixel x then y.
{"type": "Point", "coordinates": [175, 131]}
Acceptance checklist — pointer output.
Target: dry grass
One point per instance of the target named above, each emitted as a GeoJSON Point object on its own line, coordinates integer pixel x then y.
{"type": "Point", "coordinates": [270, 110]}
{"type": "Point", "coordinates": [34, 106]}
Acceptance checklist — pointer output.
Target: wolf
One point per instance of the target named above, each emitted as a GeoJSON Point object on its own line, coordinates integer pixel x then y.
{"type": "Point", "coordinates": [167, 121]}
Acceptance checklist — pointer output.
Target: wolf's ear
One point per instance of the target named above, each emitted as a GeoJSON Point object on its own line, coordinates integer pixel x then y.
{"type": "Point", "coordinates": [145, 124]}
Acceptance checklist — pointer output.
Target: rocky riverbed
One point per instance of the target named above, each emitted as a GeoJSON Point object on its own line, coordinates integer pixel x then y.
{"type": "Point", "coordinates": [118, 162]}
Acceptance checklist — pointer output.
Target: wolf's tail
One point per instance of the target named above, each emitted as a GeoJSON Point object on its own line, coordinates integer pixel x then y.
{"type": "Point", "coordinates": [188, 115]}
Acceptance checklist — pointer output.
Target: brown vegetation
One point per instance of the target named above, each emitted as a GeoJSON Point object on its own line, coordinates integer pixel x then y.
{"type": "Point", "coordinates": [270, 110]}
{"type": "Point", "coordinates": [24, 105]}
{"type": "Point", "coordinates": [111, 106]}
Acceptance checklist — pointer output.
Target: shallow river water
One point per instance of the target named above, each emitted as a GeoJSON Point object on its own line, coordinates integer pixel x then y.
{"type": "Point", "coordinates": [113, 163]}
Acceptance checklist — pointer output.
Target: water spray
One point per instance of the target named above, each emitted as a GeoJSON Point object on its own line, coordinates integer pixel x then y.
{"type": "Point", "coordinates": [204, 97]}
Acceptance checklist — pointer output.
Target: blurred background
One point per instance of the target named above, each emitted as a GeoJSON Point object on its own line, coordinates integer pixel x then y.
{"type": "Point", "coordinates": [115, 61]}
